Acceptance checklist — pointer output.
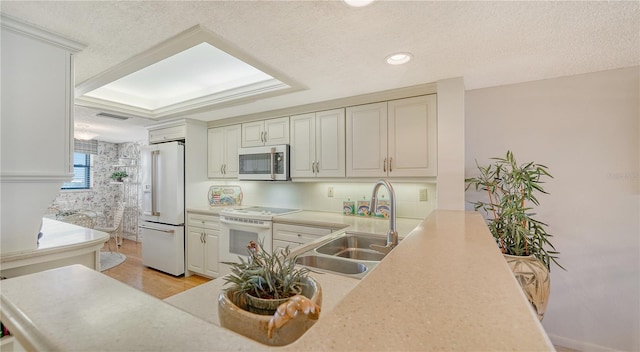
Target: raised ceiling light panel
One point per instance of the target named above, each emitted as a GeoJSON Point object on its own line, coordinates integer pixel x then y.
{"type": "Point", "coordinates": [191, 72]}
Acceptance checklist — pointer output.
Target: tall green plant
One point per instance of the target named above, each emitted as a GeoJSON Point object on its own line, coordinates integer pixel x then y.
{"type": "Point", "coordinates": [511, 190]}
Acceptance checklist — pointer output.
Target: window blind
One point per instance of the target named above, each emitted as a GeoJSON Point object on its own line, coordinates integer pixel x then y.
{"type": "Point", "coordinates": [86, 147]}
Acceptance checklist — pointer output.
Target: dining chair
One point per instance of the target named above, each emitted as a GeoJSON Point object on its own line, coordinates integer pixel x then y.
{"type": "Point", "coordinates": [79, 219]}
{"type": "Point", "coordinates": [115, 230]}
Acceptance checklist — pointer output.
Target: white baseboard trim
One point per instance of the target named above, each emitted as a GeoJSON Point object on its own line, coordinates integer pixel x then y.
{"type": "Point", "coordinates": [578, 345]}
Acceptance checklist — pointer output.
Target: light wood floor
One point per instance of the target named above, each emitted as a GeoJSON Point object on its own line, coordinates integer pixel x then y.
{"type": "Point", "coordinates": [151, 281]}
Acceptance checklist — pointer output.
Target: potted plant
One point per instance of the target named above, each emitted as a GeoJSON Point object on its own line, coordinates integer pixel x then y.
{"type": "Point", "coordinates": [119, 175]}
{"type": "Point", "coordinates": [266, 291]}
{"type": "Point", "coordinates": [511, 194]}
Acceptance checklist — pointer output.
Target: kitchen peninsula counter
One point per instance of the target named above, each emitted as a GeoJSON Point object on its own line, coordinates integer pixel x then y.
{"type": "Point", "coordinates": [61, 244]}
{"type": "Point", "coordinates": [445, 287]}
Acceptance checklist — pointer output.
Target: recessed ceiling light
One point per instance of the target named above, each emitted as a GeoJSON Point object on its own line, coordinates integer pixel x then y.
{"type": "Point", "coordinates": [399, 58]}
{"type": "Point", "coordinates": [358, 3]}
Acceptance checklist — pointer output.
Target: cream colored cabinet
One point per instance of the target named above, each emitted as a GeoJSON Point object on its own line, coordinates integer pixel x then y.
{"type": "Point", "coordinates": [296, 235]}
{"type": "Point", "coordinates": [223, 144]}
{"type": "Point", "coordinates": [166, 134]}
{"type": "Point", "coordinates": [318, 144]}
{"type": "Point", "coordinates": [266, 132]}
{"type": "Point", "coordinates": [203, 232]}
{"type": "Point", "coordinates": [392, 139]}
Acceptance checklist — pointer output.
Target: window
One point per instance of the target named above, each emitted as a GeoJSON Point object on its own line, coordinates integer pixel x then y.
{"type": "Point", "coordinates": [81, 172]}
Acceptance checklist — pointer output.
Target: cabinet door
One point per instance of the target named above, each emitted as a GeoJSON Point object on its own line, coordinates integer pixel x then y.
{"type": "Point", "coordinates": [303, 146]}
{"type": "Point", "coordinates": [231, 144]}
{"type": "Point", "coordinates": [412, 137]}
{"type": "Point", "coordinates": [330, 143]}
{"type": "Point", "coordinates": [367, 140]}
{"type": "Point", "coordinates": [253, 134]}
{"type": "Point", "coordinates": [195, 254]}
{"type": "Point", "coordinates": [211, 252]}
{"type": "Point", "coordinates": [215, 152]}
{"type": "Point", "coordinates": [168, 134]}
{"type": "Point", "coordinates": [276, 131]}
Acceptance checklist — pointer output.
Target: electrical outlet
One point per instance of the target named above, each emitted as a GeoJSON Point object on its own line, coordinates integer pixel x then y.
{"type": "Point", "coordinates": [423, 195]}
{"type": "Point", "coordinates": [330, 192]}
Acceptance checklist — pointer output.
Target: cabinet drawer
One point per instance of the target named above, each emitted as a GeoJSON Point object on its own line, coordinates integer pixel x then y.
{"type": "Point", "coordinates": [280, 245]}
{"type": "Point", "coordinates": [211, 222]}
{"type": "Point", "coordinates": [168, 134]}
{"type": "Point", "coordinates": [298, 234]}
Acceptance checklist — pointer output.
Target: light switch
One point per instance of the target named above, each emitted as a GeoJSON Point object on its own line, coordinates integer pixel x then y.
{"type": "Point", "coordinates": [423, 195]}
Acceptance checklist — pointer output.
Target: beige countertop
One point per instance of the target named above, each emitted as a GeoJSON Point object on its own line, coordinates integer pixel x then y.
{"type": "Point", "coordinates": [445, 287]}
{"type": "Point", "coordinates": [333, 220]}
{"type": "Point", "coordinates": [198, 300]}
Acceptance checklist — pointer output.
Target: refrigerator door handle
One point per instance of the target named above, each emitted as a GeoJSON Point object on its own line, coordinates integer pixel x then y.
{"type": "Point", "coordinates": [156, 229]}
{"type": "Point", "coordinates": [154, 178]}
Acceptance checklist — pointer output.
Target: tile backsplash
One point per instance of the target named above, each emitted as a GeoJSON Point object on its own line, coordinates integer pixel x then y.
{"type": "Point", "coordinates": [314, 196]}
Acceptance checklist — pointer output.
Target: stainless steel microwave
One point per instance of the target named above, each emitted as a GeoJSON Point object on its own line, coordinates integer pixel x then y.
{"type": "Point", "coordinates": [270, 163]}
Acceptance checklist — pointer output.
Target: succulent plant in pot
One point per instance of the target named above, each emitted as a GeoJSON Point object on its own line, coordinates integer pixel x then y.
{"type": "Point", "coordinates": [119, 175]}
{"type": "Point", "coordinates": [265, 280]}
{"type": "Point", "coordinates": [511, 190]}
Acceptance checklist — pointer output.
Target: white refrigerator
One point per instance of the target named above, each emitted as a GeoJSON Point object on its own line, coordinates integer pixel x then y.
{"type": "Point", "coordinates": [162, 218]}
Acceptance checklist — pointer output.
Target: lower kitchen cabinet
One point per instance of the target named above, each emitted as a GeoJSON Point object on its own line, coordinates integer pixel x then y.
{"type": "Point", "coordinates": [295, 235]}
{"type": "Point", "coordinates": [203, 233]}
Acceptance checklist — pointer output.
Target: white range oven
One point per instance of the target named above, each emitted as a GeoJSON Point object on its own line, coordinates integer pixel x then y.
{"type": "Point", "coordinates": [238, 226]}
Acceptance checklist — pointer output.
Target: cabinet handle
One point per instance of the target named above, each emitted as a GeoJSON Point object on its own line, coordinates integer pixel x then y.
{"type": "Point", "coordinates": [221, 168]}
{"type": "Point", "coordinates": [384, 165]}
{"type": "Point", "coordinates": [390, 169]}
{"type": "Point", "coordinates": [224, 168]}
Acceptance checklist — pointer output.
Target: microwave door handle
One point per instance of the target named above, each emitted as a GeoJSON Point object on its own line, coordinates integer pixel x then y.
{"type": "Point", "coordinates": [154, 181]}
{"type": "Point", "coordinates": [273, 158]}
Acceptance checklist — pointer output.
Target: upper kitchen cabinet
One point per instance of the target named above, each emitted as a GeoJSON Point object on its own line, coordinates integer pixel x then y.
{"type": "Point", "coordinates": [393, 139]}
{"type": "Point", "coordinates": [318, 144]}
{"type": "Point", "coordinates": [37, 127]}
{"type": "Point", "coordinates": [223, 144]}
{"type": "Point", "coordinates": [166, 134]}
{"type": "Point", "coordinates": [266, 132]}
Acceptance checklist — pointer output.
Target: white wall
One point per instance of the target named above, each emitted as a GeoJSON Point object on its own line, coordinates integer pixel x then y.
{"type": "Point", "coordinates": [451, 144]}
{"type": "Point", "coordinates": [585, 128]}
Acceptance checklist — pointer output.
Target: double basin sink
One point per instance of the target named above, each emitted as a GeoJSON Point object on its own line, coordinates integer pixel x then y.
{"type": "Point", "coordinates": [349, 254]}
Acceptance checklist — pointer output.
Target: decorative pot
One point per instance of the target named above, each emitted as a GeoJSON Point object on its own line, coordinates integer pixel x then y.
{"type": "Point", "coordinates": [533, 277]}
{"type": "Point", "coordinates": [261, 305]}
{"type": "Point", "coordinates": [234, 316]}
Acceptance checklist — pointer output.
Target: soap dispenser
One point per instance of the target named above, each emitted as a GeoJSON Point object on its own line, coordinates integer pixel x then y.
{"type": "Point", "coordinates": [348, 207]}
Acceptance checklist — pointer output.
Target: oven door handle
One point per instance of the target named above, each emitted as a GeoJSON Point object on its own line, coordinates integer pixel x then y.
{"type": "Point", "coordinates": [233, 223]}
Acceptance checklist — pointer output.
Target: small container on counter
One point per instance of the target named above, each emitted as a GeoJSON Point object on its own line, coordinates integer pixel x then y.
{"type": "Point", "coordinates": [348, 207]}
{"type": "Point", "coordinates": [363, 207]}
{"type": "Point", "coordinates": [382, 208]}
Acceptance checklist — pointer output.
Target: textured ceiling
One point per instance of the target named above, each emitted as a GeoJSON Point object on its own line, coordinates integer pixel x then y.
{"type": "Point", "coordinates": [337, 51]}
